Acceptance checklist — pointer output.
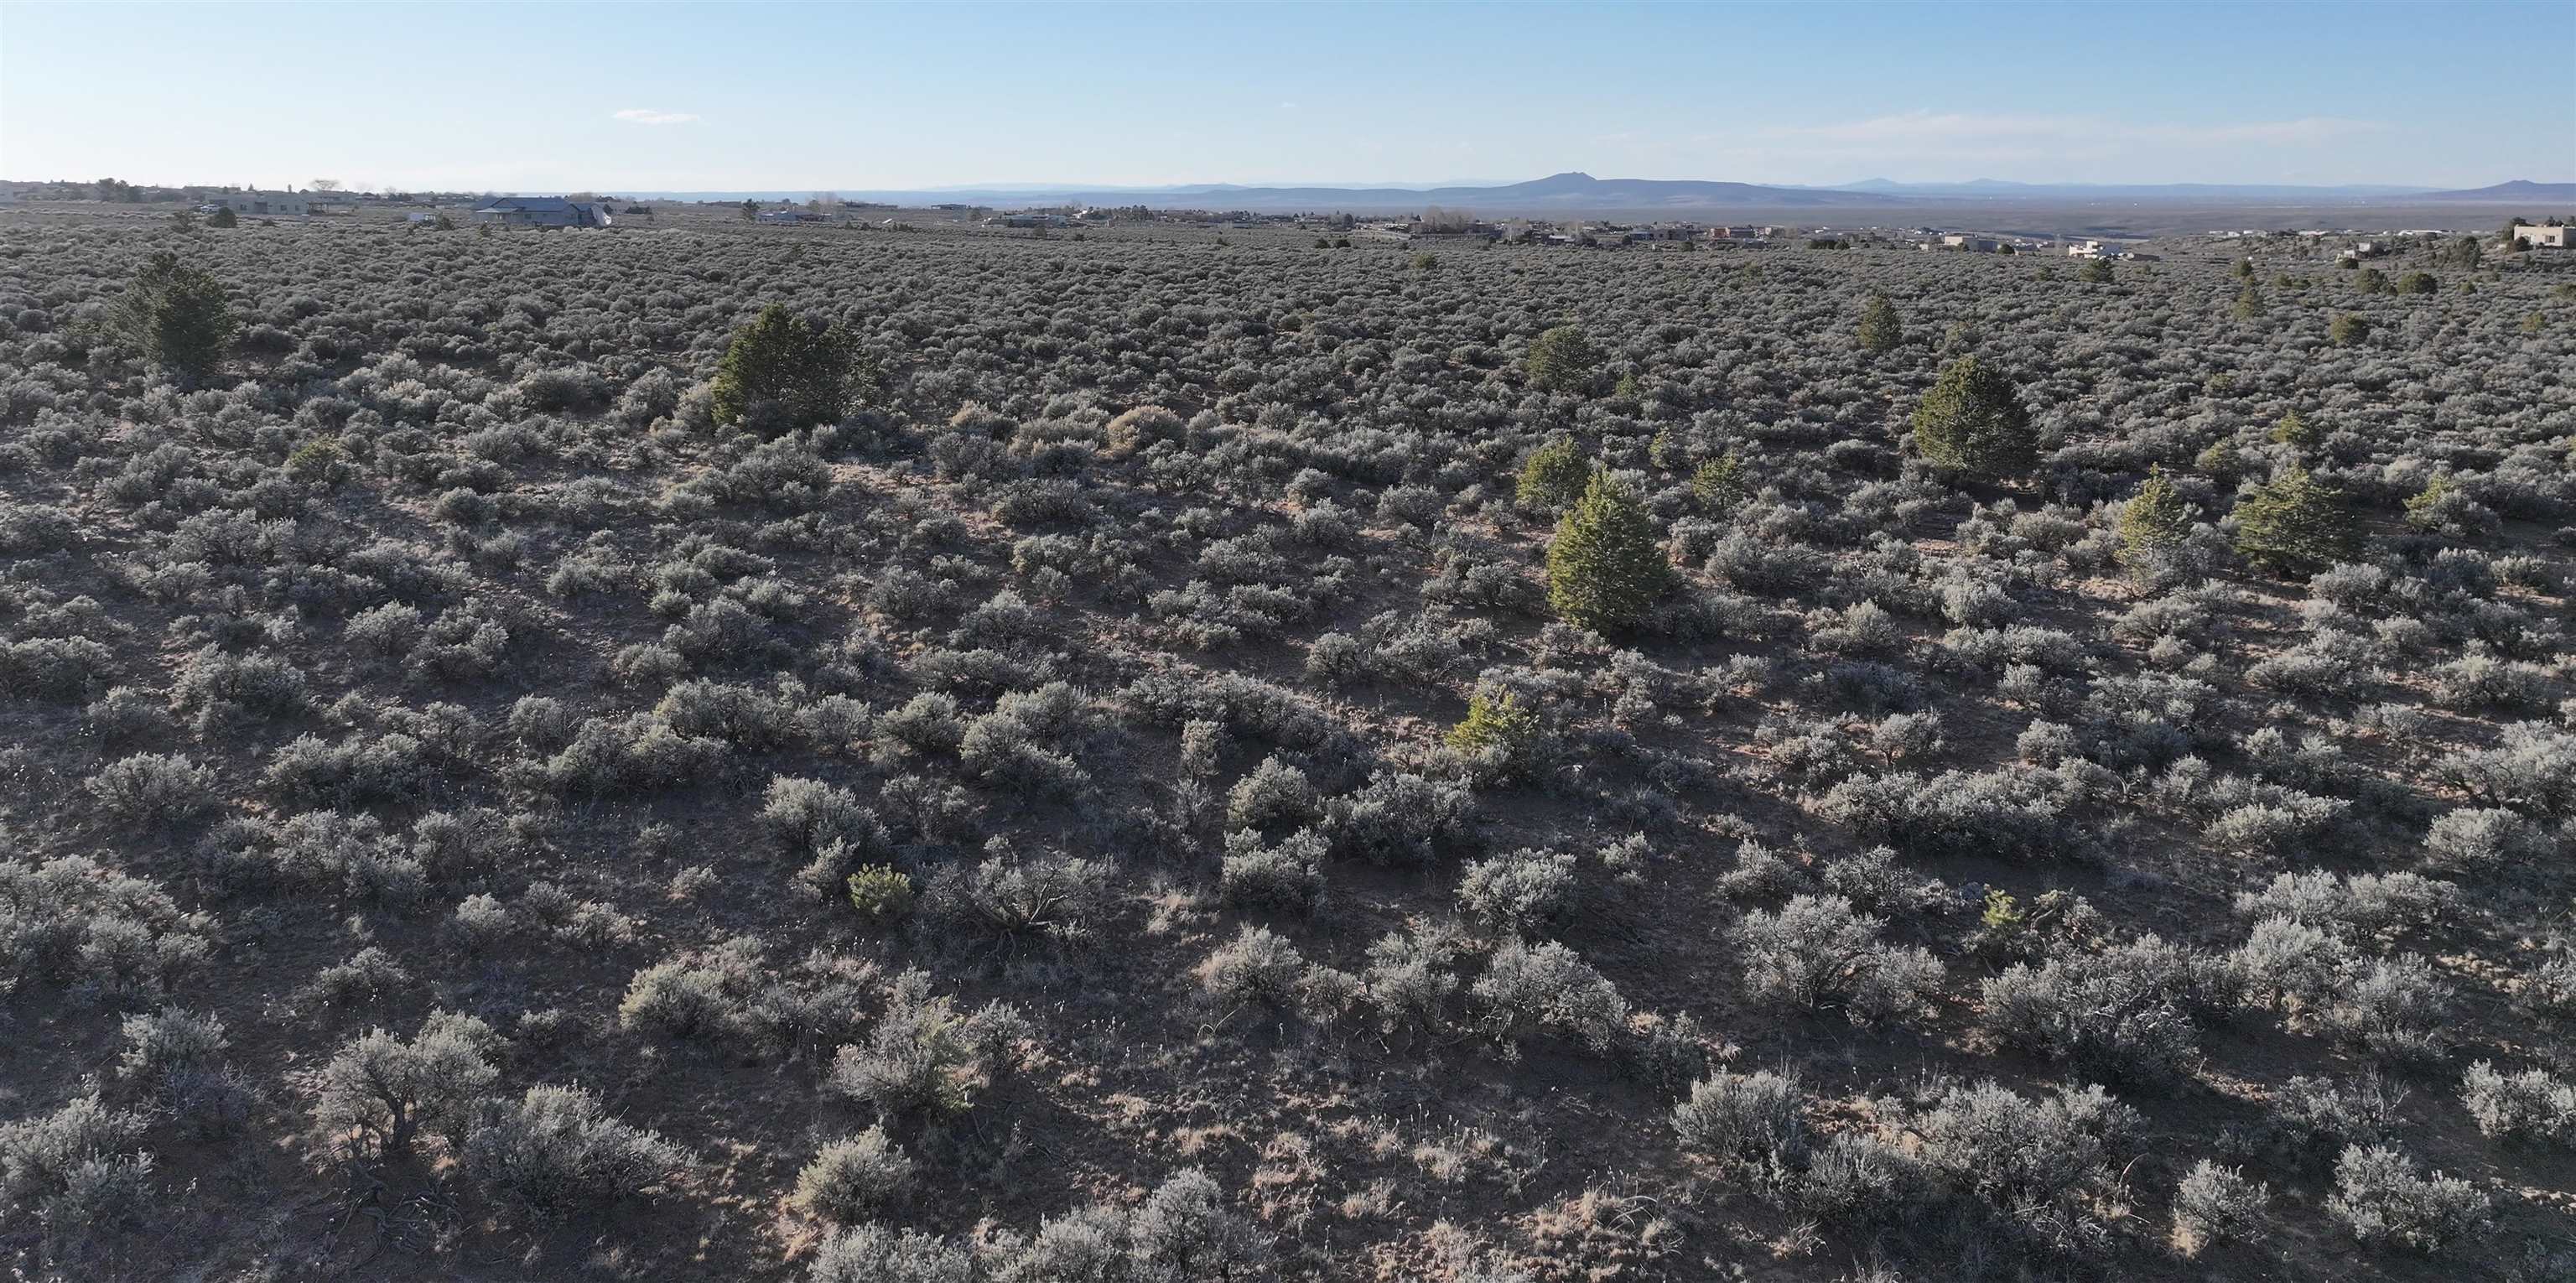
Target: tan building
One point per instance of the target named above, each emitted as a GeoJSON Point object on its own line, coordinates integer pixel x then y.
{"type": "Point", "coordinates": [2541, 236]}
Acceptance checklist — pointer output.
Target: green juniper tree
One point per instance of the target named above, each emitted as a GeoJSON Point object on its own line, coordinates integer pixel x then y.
{"type": "Point", "coordinates": [1496, 722]}
{"type": "Point", "coordinates": [176, 317]}
{"type": "Point", "coordinates": [2294, 524]}
{"type": "Point", "coordinates": [2155, 521]}
{"type": "Point", "coordinates": [2294, 430]}
{"type": "Point", "coordinates": [2429, 509]}
{"type": "Point", "coordinates": [1563, 360]}
{"type": "Point", "coordinates": [785, 373]}
{"type": "Point", "coordinates": [1719, 484]}
{"type": "Point", "coordinates": [1972, 421]}
{"type": "Point", "coordinates": [1606, 567]}
{"type": "Point", "coordinates": [1553, 476]}
{"type": "Point", "coordinates": [2222, 462]}
{"type": "Point", "coordinates": [1881, 329]}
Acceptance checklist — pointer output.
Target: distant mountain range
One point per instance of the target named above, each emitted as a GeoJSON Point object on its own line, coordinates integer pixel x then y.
{"type": "Point", "coordinates": [2520, 189]}
{"type": "Point", "coordinates": [1557, 193]}
{"type": "Point", "coordinates": [1575, 192]}
{"type": "Point", "coordinates": [1998, 189]}
{"type": "Point", "coordinates": [1995, 188]}
{"type": "Point", "coordinates": [1567, 191]}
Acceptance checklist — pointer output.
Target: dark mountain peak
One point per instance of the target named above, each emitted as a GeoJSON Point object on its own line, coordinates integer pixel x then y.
{"type": "Point", "coordinates": [1572, 180]}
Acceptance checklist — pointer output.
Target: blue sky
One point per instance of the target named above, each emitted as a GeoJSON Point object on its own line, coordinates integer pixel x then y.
{"type": "Point", "coordinates": [679, 97]}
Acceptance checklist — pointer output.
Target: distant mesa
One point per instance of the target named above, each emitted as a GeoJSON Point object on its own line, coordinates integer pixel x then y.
{"type": "Point", "coordinates": [2520, 189]}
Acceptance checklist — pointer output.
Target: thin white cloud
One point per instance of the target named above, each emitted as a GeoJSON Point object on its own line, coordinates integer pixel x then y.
{"type": "Point", "coordinates": [649, 116]}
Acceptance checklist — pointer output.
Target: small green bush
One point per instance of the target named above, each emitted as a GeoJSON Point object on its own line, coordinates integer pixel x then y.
{"type": "Point", "coordinates": [1496, 723]}
{"type": "Point", "coordinates": [881, 893]}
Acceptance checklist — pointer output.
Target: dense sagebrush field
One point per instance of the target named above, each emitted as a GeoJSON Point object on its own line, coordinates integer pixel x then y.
{"type": "Point", "coordinates": [438, 757]}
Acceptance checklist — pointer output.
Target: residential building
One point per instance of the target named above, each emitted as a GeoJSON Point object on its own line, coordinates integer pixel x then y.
{"type": "Point", "coordinates": [2541, 236]}
{"type": "Point", "coordinates": [259, 204]}
{"type": "Point", "coordinates": [1971, 244]}
{"type": "Point", "coordinates": [540, 211]}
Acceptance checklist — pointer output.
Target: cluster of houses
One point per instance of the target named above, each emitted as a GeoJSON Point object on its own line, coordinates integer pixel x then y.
{"type": "Point", "coordinates": [1961, 243]}
{"type": "Point", "coordinates": [1434, 226]}
{"type": "Point", "coordinates": [1036, 219]}
{"type": "Point", "coordinates": [1972, 243]}
{"type": "Point", "coordinates": [2108, 249]}
{"type": "Point", "coordinates": [493, 211]}
{"type": "Point", "coordinates": [2552, 234]}
{"type": "Point", "coordinates": [1521, 231]}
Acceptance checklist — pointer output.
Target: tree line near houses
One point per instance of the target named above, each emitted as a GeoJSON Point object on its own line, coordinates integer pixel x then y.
{"type": "Point", "coordinates": [1173, 757]}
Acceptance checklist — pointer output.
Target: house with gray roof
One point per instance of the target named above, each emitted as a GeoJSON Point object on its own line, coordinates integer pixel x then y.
{"type": "Point", "coordinates": [540, 211]}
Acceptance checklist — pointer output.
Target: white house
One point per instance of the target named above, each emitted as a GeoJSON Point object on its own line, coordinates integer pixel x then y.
{"type": "Point", "coordinates": [2541, 236]}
